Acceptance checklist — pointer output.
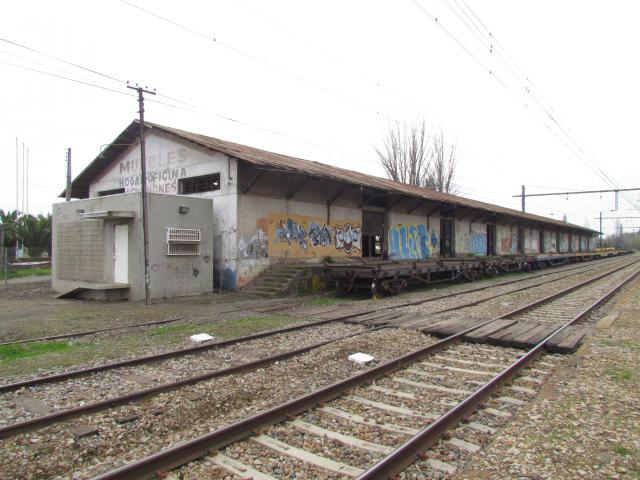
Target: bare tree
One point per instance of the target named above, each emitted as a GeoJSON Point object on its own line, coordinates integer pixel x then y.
{"type": "Point", "coordinates": [411, 155]}
{"type": "Point", "coordinates": [442, 167]}
{"type": "Point", "coordinates": [406, 153]}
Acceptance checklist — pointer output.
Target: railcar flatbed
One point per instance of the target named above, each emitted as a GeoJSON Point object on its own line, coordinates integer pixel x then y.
{"type": "Point", "coordinates": [393, 276]}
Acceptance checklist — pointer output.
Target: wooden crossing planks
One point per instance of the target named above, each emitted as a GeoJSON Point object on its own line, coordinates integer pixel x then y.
{"type": "Point", "coordinates": [500, 332]}
{"type": "Point", "coordinates": [568, 340]}
{"type": "Point", "coordinates": [481, 334]}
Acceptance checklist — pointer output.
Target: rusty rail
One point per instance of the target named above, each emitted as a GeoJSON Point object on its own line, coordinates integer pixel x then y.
{"type": "Point", "coordinates": [43, 421]}
{"type": "Point", "coordinates": [405, 455]}
{"type": "Point", "coordinates": [185, 452]}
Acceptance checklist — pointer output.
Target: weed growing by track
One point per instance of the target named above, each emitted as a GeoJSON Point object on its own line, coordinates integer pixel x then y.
{"type": "Point", "coordinates": [10, 353]}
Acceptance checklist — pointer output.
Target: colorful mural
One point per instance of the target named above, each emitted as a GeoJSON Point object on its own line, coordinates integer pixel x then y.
{"type": "Point", "coordinates": [298, 236]}
{"type": "Point", "coordinates": [348, 238]}
{"type": "Point", "coordinates": [412, 242]}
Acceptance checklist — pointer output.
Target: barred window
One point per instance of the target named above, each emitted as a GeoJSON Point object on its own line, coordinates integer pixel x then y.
{"type": "Point", "coordinates": [183, 241]}
{"type": "Point", "coordinates": [205, 183]}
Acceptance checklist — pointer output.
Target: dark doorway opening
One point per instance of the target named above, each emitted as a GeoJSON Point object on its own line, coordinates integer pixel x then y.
{"type": "Point", "coordinates": [373, 234]}
{"type": "Point", "coordinates": [491, 239]}
{"type": "Point", "coordinates": [570, 243]}
{"type": "Point", "coordinates": [521, 241]}
{"type": "Point", "coordinates": [557, 242]}
{"type": "Point", "coordinates": [541, 241]}
{"type": "Point", "coordinates": [447, 238]}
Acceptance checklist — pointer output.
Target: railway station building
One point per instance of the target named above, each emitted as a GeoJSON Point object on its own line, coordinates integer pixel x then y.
{"type": "Point", "coordinates": [220, 213]}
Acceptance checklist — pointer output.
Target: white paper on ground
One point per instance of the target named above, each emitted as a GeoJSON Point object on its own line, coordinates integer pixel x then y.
{"type": "Point", "coordinates": [200, 337]}
{"type": "Point", "coordinates": [360, 358]}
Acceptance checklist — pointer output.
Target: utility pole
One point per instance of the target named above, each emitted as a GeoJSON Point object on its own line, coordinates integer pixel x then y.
{"type": "Point", "coordinates": [23, 176]}
{"type": "Point", "coordinates": [68, 190]}
{"type": "Point", "coordinates": [27, 183]}
{"type": "Point", "coordinates": [143, 182]}
{"type": "Point", "coordinates": [523, 197]}
{"type": "Point", "coordinates": [17, 175]}
{"type": "Point", "coordinates": [600, 230]}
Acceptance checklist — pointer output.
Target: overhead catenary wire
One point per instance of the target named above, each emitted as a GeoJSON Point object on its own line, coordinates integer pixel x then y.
{"type": "Point", "coordinates": [481, 32]}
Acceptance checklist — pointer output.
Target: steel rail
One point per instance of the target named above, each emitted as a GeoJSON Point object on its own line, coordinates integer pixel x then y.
{"type": "Point", "coordinates": [234, 310]}
{"type": "Point", "coordinates": [43, 421]}
{"type": "Point", "coordinates": [84, 333]}
{"type": "Point", "coordinates": [187, 451]}
{"type": "Point", "coordinates": [164, 355]}
{"type": "Point", "coordinates": [406, 454]}
{"type": "Point", "coordinates": [199, 348]}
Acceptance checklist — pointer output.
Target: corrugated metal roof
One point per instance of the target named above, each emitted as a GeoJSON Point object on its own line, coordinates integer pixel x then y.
{"type": "Point", "coordinates": [263, 158]}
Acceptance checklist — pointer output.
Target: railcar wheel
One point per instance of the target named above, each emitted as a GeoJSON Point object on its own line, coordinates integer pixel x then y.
{"type": "Point", "coordinates": [376, 292]}
{"type": "Point", "coordinates": [343, 287]}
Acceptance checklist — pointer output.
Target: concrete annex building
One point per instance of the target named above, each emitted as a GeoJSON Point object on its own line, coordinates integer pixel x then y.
{"type": "Point", "coordinates": [220, 213]}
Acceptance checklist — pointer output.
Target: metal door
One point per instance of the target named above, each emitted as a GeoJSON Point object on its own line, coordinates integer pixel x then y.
{"type": "Point", "coordinates": [121, 254]}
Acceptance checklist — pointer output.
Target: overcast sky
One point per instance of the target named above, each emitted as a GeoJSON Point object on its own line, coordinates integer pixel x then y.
{"type": "Point", "coordinates": [323, 81]}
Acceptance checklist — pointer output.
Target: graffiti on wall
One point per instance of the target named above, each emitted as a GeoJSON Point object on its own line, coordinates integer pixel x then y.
{"type": "Point", "coordinates": [412, 242]}
{"type": "Point", "coordinates": [257, 244]}
{"type": "Point", "coordinates": [509, 244]}
{"type": "Point", "coordinates": [290, 231]}
{"type": "Point", "coordinates": [319, 234]}
{"type": "Point", "coordinates": [298, 236]}
{"type": "Point", "coordinates": [163, 172]}
{"type": "Point", "coordinates": [348, 237]}
{"type": "Point", "coordinates": [478, 243]}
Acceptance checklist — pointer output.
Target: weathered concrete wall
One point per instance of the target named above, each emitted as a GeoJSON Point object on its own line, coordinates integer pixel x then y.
{"type": "Point", "coordinates": [170, 159]}
{"type": "Point", "coordinates": [506, 239]}
{"type": "Point", "coordinates": [175, 275]}
{"type": "Point", "coordinates": [550, 242]}
{"type": "Point", "coordinates": [531, 241]}
{"type": "Point", "coordinates": [84, 248]}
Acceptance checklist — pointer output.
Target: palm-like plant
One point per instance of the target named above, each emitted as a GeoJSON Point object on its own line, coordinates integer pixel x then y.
{"type": "Point", "coordinates": [8, 220]}
{"type": "Point", "coordinates": [35, 233]}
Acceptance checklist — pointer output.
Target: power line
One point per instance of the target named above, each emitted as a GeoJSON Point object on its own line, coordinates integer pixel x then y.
{"type": "Point", "coordinates": [525, 81]}
{"type": "Point", "coordinates": [192, 109]}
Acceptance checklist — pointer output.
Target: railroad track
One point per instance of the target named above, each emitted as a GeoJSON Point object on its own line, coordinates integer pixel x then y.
{"type": "Point", "coordinates": [330, 315]}
{"type": "Point", "coordinates": [68, 406]}
{"type": "Point", "coordinates": [280, 305]}
{"type": "Point", "coordinates": [420, 398]}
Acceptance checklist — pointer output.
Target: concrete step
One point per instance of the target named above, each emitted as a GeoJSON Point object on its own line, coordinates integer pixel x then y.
{"type": "Point", "coordinates": [270, 283]}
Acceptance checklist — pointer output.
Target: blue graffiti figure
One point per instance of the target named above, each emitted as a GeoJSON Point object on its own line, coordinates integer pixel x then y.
{"type": "Point", "coordinates": [320, 235]}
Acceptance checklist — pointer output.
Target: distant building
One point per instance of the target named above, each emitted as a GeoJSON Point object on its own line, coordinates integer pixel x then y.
{"type": "Point", "coordinates": [221, 212]}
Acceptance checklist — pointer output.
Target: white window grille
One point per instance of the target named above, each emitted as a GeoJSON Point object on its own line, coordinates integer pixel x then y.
{"type": "Point", "coordinates": [183, 241]}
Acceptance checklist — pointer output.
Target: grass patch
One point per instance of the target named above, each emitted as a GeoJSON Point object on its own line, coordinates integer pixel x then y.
{"type": "Point", "coordinates": [620, 450]}
{"type": "Point", "coordinates": [26, 272]}
{"type": "Point", "coordinates": [10, 353]}
{"type": "Point", "coordinates": [621, 375]}
{"type": "Point", "coordinates": [325, 301]}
